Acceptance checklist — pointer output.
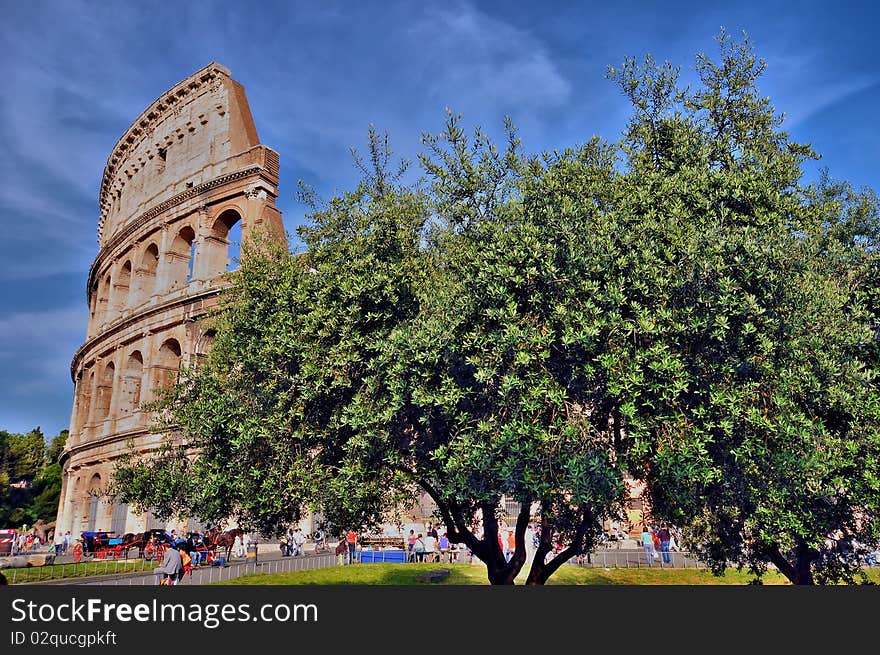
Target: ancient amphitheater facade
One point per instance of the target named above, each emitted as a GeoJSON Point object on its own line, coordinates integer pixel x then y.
{"type": "Point", "coordinates": [178, 182]}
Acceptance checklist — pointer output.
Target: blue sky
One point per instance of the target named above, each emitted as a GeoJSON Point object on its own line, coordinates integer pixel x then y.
{"type": "Point", "coordinates": [76, 74]}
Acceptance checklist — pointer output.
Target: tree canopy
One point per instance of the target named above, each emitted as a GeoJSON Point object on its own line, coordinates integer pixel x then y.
{"type": "Point", "coordinates": [677, 306]}
{"type": "Point", "coordinates": [33, 467]}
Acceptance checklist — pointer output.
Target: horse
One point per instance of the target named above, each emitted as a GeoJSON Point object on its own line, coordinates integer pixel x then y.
{"type": "Point", "coordinates": [134, 540]}
{"type": "Point", "coordinates": [215, 539]}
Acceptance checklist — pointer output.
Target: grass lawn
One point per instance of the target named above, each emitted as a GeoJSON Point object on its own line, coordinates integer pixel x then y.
{"type": "Point", "coordinates": [467, 574]}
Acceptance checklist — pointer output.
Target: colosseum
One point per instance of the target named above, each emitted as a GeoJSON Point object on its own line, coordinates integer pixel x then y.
{"type": "Point", "coordinates": [185, 180]}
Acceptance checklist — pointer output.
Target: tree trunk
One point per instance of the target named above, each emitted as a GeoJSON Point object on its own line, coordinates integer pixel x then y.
{"type": "Point", "coordinates": [798, 573]}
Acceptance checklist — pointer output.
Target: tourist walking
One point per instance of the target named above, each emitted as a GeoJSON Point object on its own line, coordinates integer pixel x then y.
{"type": "Point", "coordinates": [351, 541]}
{"type": "Point", "coordinates": [664, 543]}
{"type": "Point", "coordinates": [648, 545]}
{"type": "Point", "coordinates": [410, 546]}
{"type": "Point", "coordinates": [299, 541]}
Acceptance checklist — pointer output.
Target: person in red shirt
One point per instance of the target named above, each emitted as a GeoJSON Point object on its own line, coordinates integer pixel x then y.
{"type": "Point", "coordinates": [351, 540]}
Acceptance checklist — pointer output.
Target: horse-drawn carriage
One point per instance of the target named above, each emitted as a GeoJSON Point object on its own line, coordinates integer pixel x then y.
{"type": "Point", "coordinates": [96, 544]}
{"type": "Point", "coordinates": [154, 544]}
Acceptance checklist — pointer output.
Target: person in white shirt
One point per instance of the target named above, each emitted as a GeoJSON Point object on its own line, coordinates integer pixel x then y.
{"type": "Point", "coordinates": [430, 547]}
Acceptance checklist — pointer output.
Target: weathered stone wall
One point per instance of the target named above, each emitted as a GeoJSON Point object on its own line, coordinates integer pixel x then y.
{"type": "Point", "coordinates": [181, 177]}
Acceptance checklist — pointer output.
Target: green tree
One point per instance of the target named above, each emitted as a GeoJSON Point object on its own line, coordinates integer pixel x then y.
{"type": "Point", "coordinates": [676, 306]}
{"type": "Point", "coordinates": [403, 352]}
{"type": "Point", "coordinates": [25, 457]}
{"type": "Point", "coordinates": [751, 398]}
{"type": "Point", "coordinates": [23, 454]}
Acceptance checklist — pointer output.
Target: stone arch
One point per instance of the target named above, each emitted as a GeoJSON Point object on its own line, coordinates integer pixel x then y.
{"type": "Point", "coordinates": [94, 487]}
{"type": "Point", "coordinates": [219, 248]}
{"type": "Point", "coordinates": [94, 491]}
{"type": "Point", "coordinates": [167, 363]}
{"type": "Point", "coordinates": [203, 346]}
{"type": "Point", "coordinates": [180, 257]}
{"type": "Point", "coordinates": [103, 304]}
{"type": "Point", "coordinates": [85, 385]}
{"type": "Point", "coordinates": [105, 391]}
{"type": "Point", "coordinates": [131, 383]}
{"type": "Point", "coordinates": [122, 287]}
{"type": "Point", "coordinates": [145, 275]}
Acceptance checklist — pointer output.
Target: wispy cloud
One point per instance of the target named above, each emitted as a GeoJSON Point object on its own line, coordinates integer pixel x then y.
{"type": "Point", "coordinates": [804, 86]}
{"type": "Point", "coordinates": [484, 60]}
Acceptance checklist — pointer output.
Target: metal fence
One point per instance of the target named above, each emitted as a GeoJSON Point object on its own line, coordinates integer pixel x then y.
{"type": "Point", "coordinates": [212, 574]}
{"type": "Point", "coordinates": [140, 572]}
{"type": "Point", "coordinates": [75, 571]}
{"type": "Point", "coordinates": [636, 559]}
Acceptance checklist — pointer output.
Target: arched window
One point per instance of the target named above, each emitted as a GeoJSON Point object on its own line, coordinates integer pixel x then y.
{"type": "Point", "coordinates": [131, 383]}
{"type": "Point", "coordinates": [145, 276]}
{"type": "Point", "coordinates": [122, 288]}
{"type": "Point", "coordinates": [203, 346]}
{"type": "Point", "coordinates": [223, 245]}
{"type": "Point", "coordinates": [103, 309]}
{"type": "Point", "coordinates": [167, 363]}
{"type": "Point", "coordinates": [95, 485]}
{"type": "Point", "coordinates": [180, 257]}
{"type": "Point", "coordinates": [94, 490]}
{"type": "Point", "coordinates": [105, 391]}
{"type": "Point", "coordinates": [84, 399]}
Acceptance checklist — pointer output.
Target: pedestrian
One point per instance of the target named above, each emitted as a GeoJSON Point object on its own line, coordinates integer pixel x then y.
{"type": "Point", "coordinates": [530, 543]}
{"type": "Point", "coordinates": [245, 542]}
{"type": "Point", "coordinates": [419, 548]}
{"type": "Point", "coordinates": [648, 545]}
{"type": "Point", "coordinates": [58, 540]}
{"type": "Point", "coordinates": [410, 544]}
{"type": "Point", "coordinates": [341, 549]}
{"type": "Point", "coordinates": [236, 546]}
{"type": "Point", "coordinates": [511, 545]}
{"type": "Point", "coordinates": [351, 542]}
{"type": "Point", "coordinates": [664, 543]}
{"type": "Point", "coordinates": [172, 566]}
{"type": "Point", "coordinates": [67, 541]}
{"type": "Point", "coordinates": [299, 541]}
{"type": "Point", "coordinates": [320, 541]}
{"type": "Point", "coordinates": [430, 547]}
{"type": "Point", "coordinates": [444, 547]}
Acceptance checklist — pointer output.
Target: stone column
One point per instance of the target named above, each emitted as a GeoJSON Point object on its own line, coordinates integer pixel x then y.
{"type": "Point", "coordinates": [62, 521]}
